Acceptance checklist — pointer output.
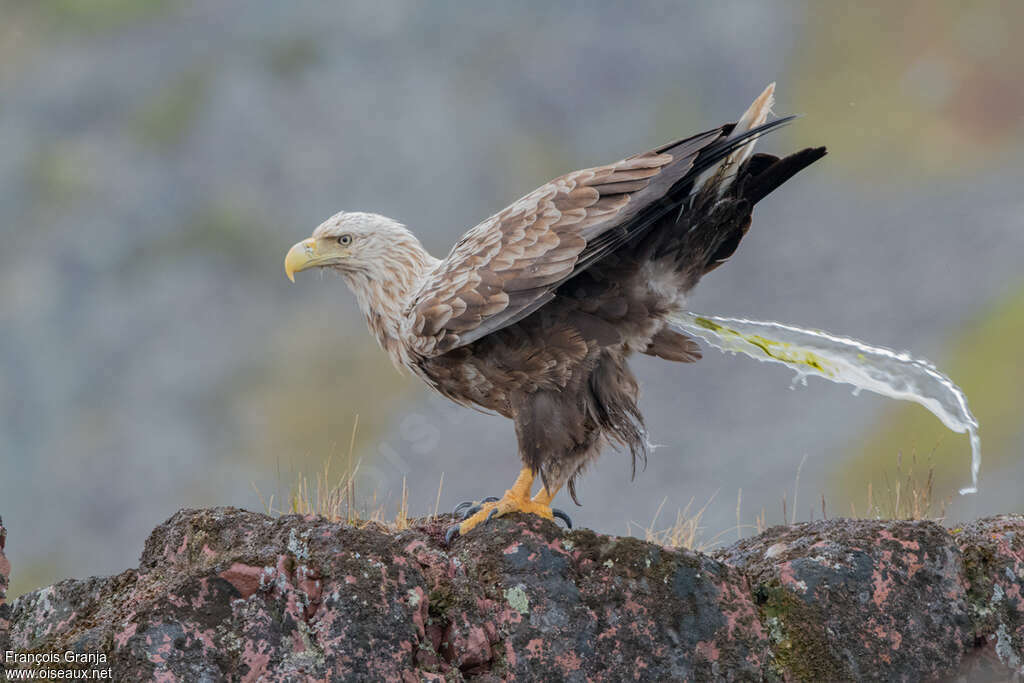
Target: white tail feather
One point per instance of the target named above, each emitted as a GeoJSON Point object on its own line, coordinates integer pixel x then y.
{"type": "Point", "coordinates": [756, 114]}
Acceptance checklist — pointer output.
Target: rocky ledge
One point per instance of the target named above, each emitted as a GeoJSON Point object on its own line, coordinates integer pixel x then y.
{"type": "Point", "coordinates": [5, 609]}
{"type": "Point", "coordinates": [225, 594]}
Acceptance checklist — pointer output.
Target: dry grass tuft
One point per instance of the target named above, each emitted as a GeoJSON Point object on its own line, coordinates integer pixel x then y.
{"type": "Point", "coordinates": [686, 531]}
{"type": "Point", "coordinates": [336, 500]}
{"type": "Point", "coordinates": [910, 495]}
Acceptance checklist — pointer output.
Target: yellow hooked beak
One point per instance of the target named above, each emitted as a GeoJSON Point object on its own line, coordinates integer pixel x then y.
{"type": "Point", "coordinates": [311, 253]}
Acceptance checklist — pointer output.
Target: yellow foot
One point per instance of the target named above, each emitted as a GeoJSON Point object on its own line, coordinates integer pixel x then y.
{"type": "Point", "coordinates": [515, 499]}
{"type": "Point", "coordinates": [503, 507]}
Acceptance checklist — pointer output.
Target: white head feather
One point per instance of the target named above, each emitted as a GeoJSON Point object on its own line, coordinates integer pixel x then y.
{"type": "Point", "coordinates": [385, 267]}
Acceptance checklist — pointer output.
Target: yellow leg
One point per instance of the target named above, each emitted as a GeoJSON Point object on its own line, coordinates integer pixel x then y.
{"type": "Point", "coordinates": [543, 497]}
{"type": "Point", "coordinates": [516, 499]}
{"type": "Point", "coordinates": [524, 482]}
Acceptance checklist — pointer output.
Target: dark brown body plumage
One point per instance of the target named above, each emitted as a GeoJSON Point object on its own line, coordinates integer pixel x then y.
{"type": "Point", "coordinates": [545, 339]}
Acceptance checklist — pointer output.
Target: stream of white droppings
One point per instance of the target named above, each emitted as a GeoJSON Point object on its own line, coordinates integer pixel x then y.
{"type": "Point", "coordinates": [848, 361]}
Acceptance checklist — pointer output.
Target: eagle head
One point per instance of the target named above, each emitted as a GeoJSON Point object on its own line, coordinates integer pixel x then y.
{"type": "Point", "coordinates": [352, 242]}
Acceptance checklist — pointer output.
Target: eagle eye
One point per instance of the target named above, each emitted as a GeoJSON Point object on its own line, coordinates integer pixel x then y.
{"type": "Point", "coordinates": [345, 240]}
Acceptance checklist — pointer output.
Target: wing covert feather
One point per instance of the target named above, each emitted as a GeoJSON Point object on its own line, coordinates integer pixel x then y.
{"type": "Point", "coordinates": [510, 264]}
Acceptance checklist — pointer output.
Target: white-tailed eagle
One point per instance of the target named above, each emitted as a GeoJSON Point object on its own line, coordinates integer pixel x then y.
{"type": "Point", "coordinates": [536, 310]}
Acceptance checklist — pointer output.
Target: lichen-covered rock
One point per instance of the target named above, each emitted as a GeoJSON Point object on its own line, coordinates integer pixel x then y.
{"type": "Point", "coordinates": [5, 566]}
{"type": "Point", "coordinates": [585, 606]}
{"type": "Point", "coordinates": [856, 599]}
{"type": "Point", "coordinates": [5, 609]}
{"type": "Point", "coordinates": [227, 594]}
{"type": "Point", "coordinates": [993, 552]}
{"type": "Point", "coordinates": [230, 593]}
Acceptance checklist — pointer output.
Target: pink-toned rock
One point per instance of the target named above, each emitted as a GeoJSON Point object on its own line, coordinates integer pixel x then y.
{"type": "Point", "coordinates": [5, 566]}
{"type": "Point", "coordinates": [246, 579]}
{"type": "Point", "coordinates": [993, 552]}
{"type": "Point", "coordinates": [856, 599]}
{"type": "Point", "coordinates": [227, 594]}
{"type": "Point", "coordinates": [5, 609]}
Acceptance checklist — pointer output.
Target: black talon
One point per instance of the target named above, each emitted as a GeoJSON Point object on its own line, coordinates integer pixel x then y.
{"type": "Point", "coordinates": [472, 505]}
{"type": "Point", "coordinates": [469, 512]}
{"type": "Point", "coordinates": [562, 516]}
{"type": "Point", "coordinates": [490, 515]}
{"type": "Point", "coordinates": [452, 532]}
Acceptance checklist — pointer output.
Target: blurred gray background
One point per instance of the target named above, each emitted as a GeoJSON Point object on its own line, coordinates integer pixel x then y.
{"type": "Point", "coordinates": [158, 159]}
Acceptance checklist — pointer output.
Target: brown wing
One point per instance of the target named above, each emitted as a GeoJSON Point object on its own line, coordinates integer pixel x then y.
{"type": "Point", "coordinates": [511, 264]}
